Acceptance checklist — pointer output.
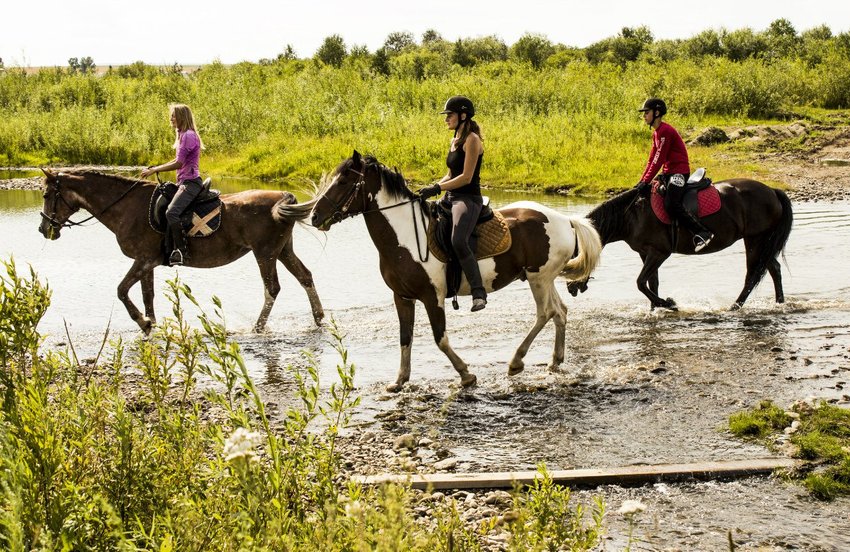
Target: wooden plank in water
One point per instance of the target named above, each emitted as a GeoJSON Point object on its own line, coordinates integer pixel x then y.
{"type": "Point", "coordinates": [627, 475]}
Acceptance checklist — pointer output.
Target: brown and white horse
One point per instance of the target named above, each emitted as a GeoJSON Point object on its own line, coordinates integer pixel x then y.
{"type": "Point", "coordinates": [545, 244]}
{"type": "Point", "coordinates": [250, 223]}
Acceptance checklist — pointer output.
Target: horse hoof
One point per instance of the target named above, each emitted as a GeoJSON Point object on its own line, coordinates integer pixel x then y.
{"type": "Point", "coordinates": [468, 380]}
{"type": "Point", "coordinates": [670, 304]}
{"type": "Point", "coordinates": [146, 325]}
{"type": "Point", "coordinates": [394, 387]}
{"type": "Point", "coordinates": [515, 369]}
{"type": "Point", "coordinates": [735, 306]}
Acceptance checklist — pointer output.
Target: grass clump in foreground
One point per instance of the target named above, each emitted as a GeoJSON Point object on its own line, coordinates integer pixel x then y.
{"type": "Point", "coordinates": [88, 462]}
{"type": "Point", "coordinates": [819, 433]}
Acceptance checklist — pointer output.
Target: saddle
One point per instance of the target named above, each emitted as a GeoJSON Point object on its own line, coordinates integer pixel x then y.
{"type": "Point", "coordinates": [701, 198]}
{"type": "Point", "coordinates": [491, 237]}
{"type": "Point", "coordinates": [200, 219]}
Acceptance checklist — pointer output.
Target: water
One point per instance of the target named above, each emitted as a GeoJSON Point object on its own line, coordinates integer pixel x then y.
{"type": "Point", "coordinates": [637, 386]}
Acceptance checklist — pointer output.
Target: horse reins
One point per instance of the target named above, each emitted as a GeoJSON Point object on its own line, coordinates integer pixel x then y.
{"type": "Point", "coordinates": [70, 223]}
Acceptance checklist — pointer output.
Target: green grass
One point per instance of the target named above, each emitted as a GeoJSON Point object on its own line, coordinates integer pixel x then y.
{"type": "Point", "coordinates": [822, 438]}
{"type": "Point", "coordinates": [574, 126]}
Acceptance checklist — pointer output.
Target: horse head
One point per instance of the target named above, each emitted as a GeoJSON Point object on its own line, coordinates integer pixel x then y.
{"type": "Point", "coordinates": [58, 205]}
{"type": "Point", "coordinates": [348, 192]}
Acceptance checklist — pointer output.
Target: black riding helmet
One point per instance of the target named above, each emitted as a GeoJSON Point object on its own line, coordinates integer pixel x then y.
{"type": "Point", "coordinates": [459, 104]}
{"type": "Point", "coordinates": [654, 104]}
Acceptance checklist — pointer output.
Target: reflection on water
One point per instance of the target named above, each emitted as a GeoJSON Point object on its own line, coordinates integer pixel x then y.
{"type": "Point", "coordinates": [637, 386]}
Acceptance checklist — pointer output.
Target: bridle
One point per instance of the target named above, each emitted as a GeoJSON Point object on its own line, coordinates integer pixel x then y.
{"type": "Point", "coordinates": [57, 196]}
{"type": "Point", "coordinates": [342, 209]}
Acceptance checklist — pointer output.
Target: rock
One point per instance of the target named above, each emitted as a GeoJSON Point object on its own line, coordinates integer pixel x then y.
{"type": "Point", "coordinates": [447, 464]}
{"type": "Point", "coordinates": [425, 442]}
{"type": "Point", "coordinates": [710, 136]}
{"type": "Point", "coordinates": [407, 441]}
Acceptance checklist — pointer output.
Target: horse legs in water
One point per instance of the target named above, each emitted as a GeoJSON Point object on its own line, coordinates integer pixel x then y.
{"type": "Point", "coordinates": [648, 279]}
{"type": "Point", "coordinates": [295, 267]}
{"type": "Point", "coordinates": [140, 270]}
{"type": "Point", "coordinates": [147, 295]}
{"type": "Point", "coordinates": [268, 271]}
{"type": "Point", "coordinates": [549, 305]}
{"type": "Point", "coordinates": [754, 248]}
{"type": "Point", "coordinates": [406, 310]}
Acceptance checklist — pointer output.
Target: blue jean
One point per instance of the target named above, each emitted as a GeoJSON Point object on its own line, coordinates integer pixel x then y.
{"type": "Point", "coordinates": [186, 192]}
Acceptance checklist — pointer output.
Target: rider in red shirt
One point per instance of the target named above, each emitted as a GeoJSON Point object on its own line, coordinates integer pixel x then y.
{"type": "Point", "coordinates": [670, 156]}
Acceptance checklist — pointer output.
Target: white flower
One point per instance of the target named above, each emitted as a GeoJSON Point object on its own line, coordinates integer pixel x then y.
{"type": "Point", "coordinates": [241, 444]}
{"type": "Point", "coordinates": [354, 509]}
{"type": "Point", "coordinates": [631, 507]}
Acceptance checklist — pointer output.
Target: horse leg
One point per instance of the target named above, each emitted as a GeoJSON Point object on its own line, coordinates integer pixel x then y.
{"type": "Point", "coordinates": [268, 271]}
{"type": "Point", "coordinates": [648, 278]}
{"type": "Point", "coordinates": [776, 274]}
{"type": "Point", "coordinates": [406, 310]}
{"type": "Point", "coordinates": [437, 317]}
{"type": "Point", "coordinates": [136, 273]}
{"type": "Point", "coordinates": [147, 295]}
{"type": "Point", "coordinates": [295, 267]}
{"type": "Point", "coordinates": [753, 247]}
{"type": "Point", "coordinates": [545, 311]}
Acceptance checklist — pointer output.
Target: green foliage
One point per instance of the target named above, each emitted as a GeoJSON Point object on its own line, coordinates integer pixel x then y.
{"type": "Point", "coordinates": [759, 422]}
{"type": "Point", "coordinates": [821, 435]}
{"type": "Point", "coordinates": [332, 51]}
{"type": "Point", "coordinates": [90, 462]}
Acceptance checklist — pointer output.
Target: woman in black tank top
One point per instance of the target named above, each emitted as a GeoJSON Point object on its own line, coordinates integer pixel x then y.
{"type": "Point", "coordinates": [462, 182]}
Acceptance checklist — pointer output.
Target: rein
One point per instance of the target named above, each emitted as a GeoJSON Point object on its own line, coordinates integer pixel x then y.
{"type": "Point", "coordinates": [70, 223]}
{"type": "Point", "coordinates": [341, 213]}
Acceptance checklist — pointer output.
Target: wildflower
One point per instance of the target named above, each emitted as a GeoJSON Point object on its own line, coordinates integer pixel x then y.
{"type": "Point", "coordinates": [241, 444]}
{"type": "Point", "coordinates": [631, 507]}
{"type": "Point", "coordinates": [354, 509]}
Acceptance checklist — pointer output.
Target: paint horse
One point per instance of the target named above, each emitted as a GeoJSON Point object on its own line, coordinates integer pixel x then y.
{"type": "Point", "coordinates": [250, 223]}
{"type": "Point", "coordinates": [545, 244]}
{"type": "Point", "coordinates": [760, 215]}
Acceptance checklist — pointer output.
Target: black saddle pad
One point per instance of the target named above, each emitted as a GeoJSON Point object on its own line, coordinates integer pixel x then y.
{"type": "Point", "coordinates": [201, 218]}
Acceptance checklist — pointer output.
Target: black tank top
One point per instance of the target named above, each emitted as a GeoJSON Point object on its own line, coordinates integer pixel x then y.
{"type": "Point", "coordinates": [454, 161]}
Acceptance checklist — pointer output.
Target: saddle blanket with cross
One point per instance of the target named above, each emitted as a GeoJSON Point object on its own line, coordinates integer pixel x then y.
{"type": "Point", "coordinates": [201, 218]}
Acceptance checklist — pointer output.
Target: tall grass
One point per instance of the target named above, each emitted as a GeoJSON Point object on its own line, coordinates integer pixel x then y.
{"type": "Point", "coordinates": [573, 125]}
{"type": "Point", "coordinates": [90, 462]}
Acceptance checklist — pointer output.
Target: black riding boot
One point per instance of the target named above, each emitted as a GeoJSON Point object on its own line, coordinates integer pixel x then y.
{"type": "Point", "coordinates": [702, 235]}
{"type": "Point", "coordinates": [473, 276]}
{"type": "Point", "coordinates": [178, 254]}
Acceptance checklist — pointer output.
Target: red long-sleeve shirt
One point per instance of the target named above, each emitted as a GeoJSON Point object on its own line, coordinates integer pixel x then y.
{"type": "Point", "coordinates": [668, 154]}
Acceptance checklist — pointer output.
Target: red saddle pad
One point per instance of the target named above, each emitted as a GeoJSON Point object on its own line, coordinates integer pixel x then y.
{"type": "Point", "coordinates": [708, 200]}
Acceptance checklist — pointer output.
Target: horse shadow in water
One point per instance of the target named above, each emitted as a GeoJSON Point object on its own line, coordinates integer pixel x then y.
{"type": "Point", "coordinates": [760, 215]}
{"type": "Point", "coordinates": [545, 244]}
{"type": "Point", "coordinates": [250, 223]}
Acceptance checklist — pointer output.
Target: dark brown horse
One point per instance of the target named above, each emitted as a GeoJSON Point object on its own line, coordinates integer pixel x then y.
{"type": "Point", "coordinates": [249, 223]}
{"type": "Point", "coordinates": [545, 244]}
{"type": "Point", "coordinates": [761, 215]}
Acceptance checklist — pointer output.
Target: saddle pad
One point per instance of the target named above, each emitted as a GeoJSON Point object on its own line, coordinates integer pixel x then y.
{"type": "Point", "coordinates": [708, 200]}
{"type": "Point", "coordinates": [199, 220]}
{"type": "Point", "coordinates": [494, 238]}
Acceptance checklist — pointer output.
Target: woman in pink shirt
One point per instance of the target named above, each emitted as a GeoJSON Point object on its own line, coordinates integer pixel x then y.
{"type": "Point", "coordinates": [188, 145]}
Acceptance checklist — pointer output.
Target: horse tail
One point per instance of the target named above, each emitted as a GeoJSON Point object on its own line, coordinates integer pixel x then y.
{"type": "Point", "coordinates": [288, 210]}
{"type": "Point", "coordinates": [775, 244]}
{"type": "Point", "coordinates": [589, 247]}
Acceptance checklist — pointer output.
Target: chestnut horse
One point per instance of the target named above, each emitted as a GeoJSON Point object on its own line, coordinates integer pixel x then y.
{"type": "Point", "coordinates": [759, 214]}
{"type": "Point", "coordinates": [249, 223]}
{"type": "Point", "coordinates": [545, 244]}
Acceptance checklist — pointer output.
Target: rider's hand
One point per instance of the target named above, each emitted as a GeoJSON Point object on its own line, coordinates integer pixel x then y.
{"type": "Point", "coordinates": [429, 191]}
{"type": "Point", "coordinates": [147, 172]}
{"type": "Point", "coordinates": [642, 187]}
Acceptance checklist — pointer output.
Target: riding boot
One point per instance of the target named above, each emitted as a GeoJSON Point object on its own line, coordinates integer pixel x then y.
{"type": "Point", "coordinates": [702, 235]}
{"type": "Point", "coordinates": [473, 276]}
{"type": "Point", "coordinates": [178, 239]}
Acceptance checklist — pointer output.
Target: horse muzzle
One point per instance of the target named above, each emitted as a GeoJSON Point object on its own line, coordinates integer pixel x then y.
{"type": "Point", "coordinates": [48, 230]}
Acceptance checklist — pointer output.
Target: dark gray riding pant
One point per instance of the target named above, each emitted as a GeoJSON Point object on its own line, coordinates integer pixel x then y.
{"type": "Point", "coordinates": [186, 192]}
{"type": "Point", "coordinates": [465, 212]}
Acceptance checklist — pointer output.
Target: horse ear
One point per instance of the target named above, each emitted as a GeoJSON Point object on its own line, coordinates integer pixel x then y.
{"type": "Point", "coordinates": [47, 173]}
{"type": "Point", "coordinates": [356, 156]}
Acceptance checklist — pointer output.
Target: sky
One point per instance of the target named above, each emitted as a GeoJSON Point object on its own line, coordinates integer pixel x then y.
{"type": "Point", "coordinates": [191, 32]}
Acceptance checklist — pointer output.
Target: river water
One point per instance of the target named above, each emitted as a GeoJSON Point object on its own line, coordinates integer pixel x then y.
{"type": "Point", "coordinates": [636, 387]}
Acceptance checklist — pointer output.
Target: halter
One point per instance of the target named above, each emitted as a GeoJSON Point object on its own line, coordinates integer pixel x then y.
{"type": "Point", "coordinates": [70, 223]}
{"type": "Point", "coordinates": [342, 209]}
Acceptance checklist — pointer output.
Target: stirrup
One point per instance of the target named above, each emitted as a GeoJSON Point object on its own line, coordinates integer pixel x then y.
{"type": "Point", "coordinates": [700, 243]}
{"type": "Point", "coordinates": [176, 258]}
{"type": "Point", "coordinates": [478, 304]}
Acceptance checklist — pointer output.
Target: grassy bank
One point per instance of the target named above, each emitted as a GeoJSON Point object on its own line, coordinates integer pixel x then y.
{"type": "Point", "coordinates": [570, 125]}
{"type": "Point", "coordinates": [125, 452]}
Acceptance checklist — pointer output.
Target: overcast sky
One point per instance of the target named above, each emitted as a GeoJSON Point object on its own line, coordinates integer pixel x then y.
{"type": "Point", "coordinates": [114, 32]}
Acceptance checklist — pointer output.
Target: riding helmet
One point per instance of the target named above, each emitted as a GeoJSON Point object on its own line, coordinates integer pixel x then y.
{"type": "Point", "coordinates": [459, 104]}
{"type": "Point", "coordinates": [654, 104]}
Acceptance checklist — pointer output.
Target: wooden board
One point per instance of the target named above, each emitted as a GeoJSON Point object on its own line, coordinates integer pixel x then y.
{"type": "Point", "coordinates": [629, 475]}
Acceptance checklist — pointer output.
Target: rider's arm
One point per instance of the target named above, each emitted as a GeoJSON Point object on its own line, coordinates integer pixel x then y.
{"type": "Point", "coordinates": [657, 157]}
{"type": "Point", "coordinates": [472, 149]}
{"type": "Point", "coordinates": [165, 167]}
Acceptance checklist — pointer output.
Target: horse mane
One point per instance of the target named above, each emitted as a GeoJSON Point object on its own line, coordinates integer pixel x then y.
{"type": "Point", "coordinates": [392, 180]}
{"type": "Point", "coordinates": [96, 173]}
{"type": "Point", "coordinates": [609, 217]}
